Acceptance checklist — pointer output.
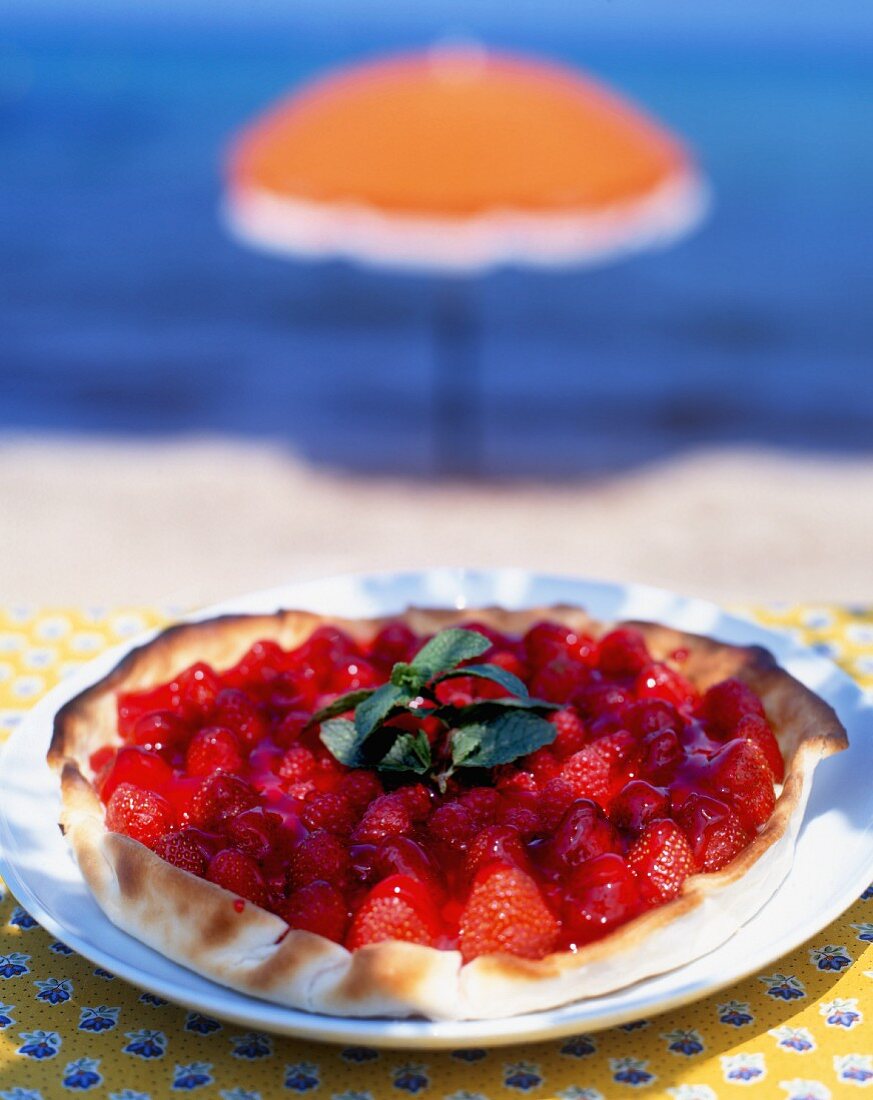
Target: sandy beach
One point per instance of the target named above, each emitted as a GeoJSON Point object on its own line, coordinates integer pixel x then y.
{"type": "Point", "coordinates": [193, 521]}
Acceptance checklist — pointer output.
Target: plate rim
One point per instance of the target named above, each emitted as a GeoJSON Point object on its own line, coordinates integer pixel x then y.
{"type": "Point", "coordinates": [397, 1034]}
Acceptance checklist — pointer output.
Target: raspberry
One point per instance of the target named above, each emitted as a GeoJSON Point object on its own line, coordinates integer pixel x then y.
{"type": "Point", "coordinates": [714, 831]}
{"type": "Point", "coordinates": [361, 788]}
{"type": "Point", "coordinates": [318, 907]}
{"type": "Point", "coordinates": [524, 819]}
{"type": "Point", "coordinates": [137, 766]}
{"type": "Point", "coordinates": [235, 710]}
{"type": "Point", "coordinates": [293, 723]}
{"type": "Point", "coordinates": [213, 749]}
{"type": "Point", "coordinates": [510, 778]}
{"type": "Point", "coordinates": [583, 832]}
{"type": "Point", "coordinates": [623, 652]}
{"type": "Point", "coordinates": [386, 816]}
{"type": "Point", "coordinates": [571, 735]}
{"type": "Point", "coordinates": [553, 803]}
{"type": "Point", "coordinates": [417, 800]}
{"type": "Point", "coordinates": [543, 765]}
{"type": "Point", "coordinates": [742, 776]}
{"type": "Point", "coordinates": [255, 832]}
{"type": "Point", "coordinates": [506, 914]}
{"type": "Point", "coordinates": [638, 803]}
{"type": "Point", "coordinates": [183, 851]}
{"type": "Point", "coordinates": [298, 765]}
{"type": "Point", "coordinates": [139, 814]}
{"type": "Point", "coordinates": [658, 681]}
{"type": "Point", "coordinates": [452, 824]}
{"type": "Point", "coordinates": [603, 893]}
{"type": "Point", "coordinates": [662, 860]}
{"type": "Point", "coordinates": [329, 811]}
{"type": "Point", "coordinates": [496, 842]}
{"type": "Point", "coordinates": [754, 728]}
{"type": "Point", "coordinates": [239, 874]}
{"type": "Point", "coordinates": [397, 909]}
{"type": "Point", "coordinates": [483, 803]}
{"type": "Point", "coordinates": [219, 798]}
{"type": "Point", "coordinates": [160, 731]}
{"type": "Point", "coordinates": [726, 703]}
{"type": "Point", "coordinates": [394, 642]}
{"type": "Point", "coordinates": [318, 856]}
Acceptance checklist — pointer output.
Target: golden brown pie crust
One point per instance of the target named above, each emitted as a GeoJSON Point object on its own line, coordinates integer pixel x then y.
{"type": "Point", "coordinates": [195, 923]}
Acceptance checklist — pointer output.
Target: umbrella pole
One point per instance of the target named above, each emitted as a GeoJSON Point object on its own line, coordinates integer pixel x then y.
{"type": "Point", "coordinates": [457, 381]}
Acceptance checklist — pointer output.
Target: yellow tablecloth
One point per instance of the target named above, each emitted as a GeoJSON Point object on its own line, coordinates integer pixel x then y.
{"type": "Point", "coordinates": [798, 1030]}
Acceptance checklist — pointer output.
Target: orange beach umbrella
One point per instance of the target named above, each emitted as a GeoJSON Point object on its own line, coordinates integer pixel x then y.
{"type": "Point", "coordinates": [456, 160]}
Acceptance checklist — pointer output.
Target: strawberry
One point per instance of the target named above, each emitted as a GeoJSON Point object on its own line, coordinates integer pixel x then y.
{"type": "Point", "coordinates": [506, 914]}
{"type": "Point", "coordinates": [593, 771]}
{"type": "Point", "coordinates": [394, 642]}
{"type": "Point", "coordinates": [584, 832]}
{"type": "Point", "coordinates": [318, 856]}
{"type": "Point", "coordinates": [726, 703]}
{"type": "Point", "coordinates": [602, 893]}
{"type": "Point", "coordinates": [398, 855]}
{"type": "Point", "coordinates": [160, 731]}
{"type": "Point", "coordinates": [623, 652]}
{"type": "Point", "coordinates": [239, 713]}
{"type": "Point", "coordinates": [661, 755]}
{"type": "Point", "coordinates": [649, 715]}
{"type": "Point", "coordinates": [256, 832]}
{"type": "Point", "coordinates": [213, 749]}
{"type": "Point", "coordinates": [714, 831]}
{"type": "Point", "coordinates": [661, 858]}
{"type": "Point", "coordinates": [183, 851]}
{"type": "Point", "coordinates": [239, 874]}
{"type": "Point", "coordinates": [742, 776]}
{"type": "Point", "coordinates": [138, 766]}
{"type": "Point", "coordinates": [560, 679]}
{"type": "Point", "coordinates": [139, 814]}
{"type": "Point", "coordinates": [638, 803]}
{"type": "Point", "coordinates": [399, 908]}
{"type": "Point", "coordinates": [571, 735]}
{"type": "Point", "coordinates": [196, 690]}
{"type": "Point", "coordinates": [553, 802]}
{"type": "Point", "coordinates": [659, 681]}
{"type": "Point", "coordinates": [318, 907]}
{"type": "Point", "coordinates": [754, 728]}
{"type": "Point", "coordinates": [496, 842]}
{"type": "Point", "coordinates": [219, 798]}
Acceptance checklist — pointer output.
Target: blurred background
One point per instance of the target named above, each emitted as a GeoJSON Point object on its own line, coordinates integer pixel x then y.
{"type": "Point", "coordinates": [183, 418]}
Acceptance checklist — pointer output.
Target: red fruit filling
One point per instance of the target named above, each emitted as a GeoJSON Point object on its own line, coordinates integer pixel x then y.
{"type": "Point", "coordinates": [223, 774]}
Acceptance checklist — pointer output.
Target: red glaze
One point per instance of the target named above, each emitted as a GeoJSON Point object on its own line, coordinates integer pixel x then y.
{"type": "Point", "coordinates": [645, 783]}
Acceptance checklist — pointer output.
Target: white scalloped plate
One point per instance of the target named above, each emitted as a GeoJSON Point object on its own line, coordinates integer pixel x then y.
{"type": "Point", "coordinates": [832, 864]}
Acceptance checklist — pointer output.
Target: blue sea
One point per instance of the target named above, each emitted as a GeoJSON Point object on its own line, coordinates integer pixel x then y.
{"type": "Point", "coordinates": [125, 307]}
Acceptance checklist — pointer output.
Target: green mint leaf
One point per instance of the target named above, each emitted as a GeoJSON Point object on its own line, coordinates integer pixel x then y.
{"type": "Point", "coordinates": [343, 741]}
{"type": "Point", "coordinates": [409, 753]}
{"type": "Point", "coordinates": [496, 675]}
{"type": "Point", "coordinates": [501, 739]}
{"type": "Point", "coordinates": [406, 677]}
{"type": "Point", "coordinates": [483, 710]}
{"type": "Point", "coordinates": [340, 705]}
{"type": "Point", "coordinates": [376, 708]}
{"type": "Point", "coordinates": [446, 650]}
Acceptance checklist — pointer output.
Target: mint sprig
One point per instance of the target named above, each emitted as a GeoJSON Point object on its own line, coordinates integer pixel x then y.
{"type": "Point", "coordinates": [482, 734]}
